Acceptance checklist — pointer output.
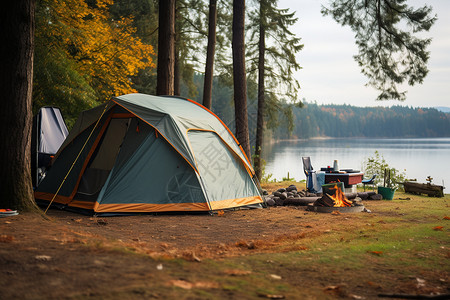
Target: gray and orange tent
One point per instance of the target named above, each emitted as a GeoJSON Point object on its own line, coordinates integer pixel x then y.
{"type": "Point", "coordinates": [142, 153]}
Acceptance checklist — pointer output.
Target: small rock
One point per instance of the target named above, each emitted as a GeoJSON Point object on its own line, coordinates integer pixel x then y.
{"type": "Point", "coordinates": [282, 190]}
{"type": "Point", "coordinates": [279, 201]}
{"type": "Point", "coordinates": [265, 192]}
{"type": "Point", "coordinates": [301, 193]}
{"type": "Point", "coordinates": [270, 202]}
{"type": "Point", "coordinates": [376, 197]}
{"type": "Point", "coordinates": [277, 194]}
{"type": "Point", "coordinates": [283, 195]}
{"type": "Point", "coordinates": [291, 188]}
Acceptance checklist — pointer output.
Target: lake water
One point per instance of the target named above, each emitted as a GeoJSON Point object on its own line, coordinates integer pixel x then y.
{"type": "Point", "coordinates": [418, 158]}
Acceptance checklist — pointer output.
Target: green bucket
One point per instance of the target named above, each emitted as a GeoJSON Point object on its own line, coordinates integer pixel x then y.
{"type": "Point", "coordinates": [386, 192]}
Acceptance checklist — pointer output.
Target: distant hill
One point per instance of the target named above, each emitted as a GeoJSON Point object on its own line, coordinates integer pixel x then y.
{"type": "Point", "coordinates": [443, 108]}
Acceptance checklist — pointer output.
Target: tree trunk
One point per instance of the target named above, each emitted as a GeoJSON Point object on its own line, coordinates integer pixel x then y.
{"type": "Point", "coordinates": [166, 45]}
{"type": "Point", "coordinates": [261, 87]}
{"type": "Point", "coordinates": [209, 68]}
{"type": "Point", "coordinates": [176, 54]}
{"type": "Point", "coordinates": [176, 69]}
{"type": "Point", "coordinates": [239, 76]}
{"type": "Point", "coordinates": [16, 81]}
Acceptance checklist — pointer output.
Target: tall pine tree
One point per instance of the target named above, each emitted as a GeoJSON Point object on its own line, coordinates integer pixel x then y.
{"type": "Point", "coordinates": [389, 54]}
{"type": "Point", "coordinates": [239, 75]}
{"type": "Point", "coordinates": [272, 52]}
{"type": "Point", "coordinates": [16, 78]}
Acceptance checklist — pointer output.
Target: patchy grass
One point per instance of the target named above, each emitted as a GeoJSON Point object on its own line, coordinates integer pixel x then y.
{"type": "Point", "coordinates": [403, 246]}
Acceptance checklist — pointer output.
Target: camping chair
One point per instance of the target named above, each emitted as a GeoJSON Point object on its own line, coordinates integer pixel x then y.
{"type": "Point", "coordinates": [370, 181]}
{"type": "Point", "coordinates": [309, 172]}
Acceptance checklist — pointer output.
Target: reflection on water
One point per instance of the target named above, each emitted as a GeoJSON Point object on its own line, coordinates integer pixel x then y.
{"type": "Point", "coordinates": [417, 157]}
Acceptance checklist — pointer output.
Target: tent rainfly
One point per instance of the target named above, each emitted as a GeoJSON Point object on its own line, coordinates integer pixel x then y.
{"type": "Point", "coordinates": [142, 153]}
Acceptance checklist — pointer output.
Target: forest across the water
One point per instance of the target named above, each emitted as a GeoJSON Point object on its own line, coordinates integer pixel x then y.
{"type": "Point", "coordinates": [315, 120]}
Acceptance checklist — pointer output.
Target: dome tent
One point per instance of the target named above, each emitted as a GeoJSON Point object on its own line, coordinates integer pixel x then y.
{"type": "Point", "coordinates": [142, 153]}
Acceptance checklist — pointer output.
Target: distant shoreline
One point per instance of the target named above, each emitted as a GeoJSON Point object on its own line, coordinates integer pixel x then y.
{"type": "Point", "coordinates": [323, 138]}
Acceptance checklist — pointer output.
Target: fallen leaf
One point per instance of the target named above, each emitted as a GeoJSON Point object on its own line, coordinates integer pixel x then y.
{"type": "Point", "coordinates": [446, 218]}
{"type": "Point", "coordinates": [159, 267]}
{"type": "Point", "coordinates": [339, 290]}
{"type": "Point", "coordinates": [190, 256]}
{"type": "Point", "coordinates": [206, 285]}
{"type": "Point", "coordinates": [420, 282]}
{"type": "Point", "coordinates": [271, 296]}
{"type": "Point", "coordinates": [43, 257]}
{"type": "Point", "coordinates": [8, 222]}
{"type": "Point", "coordinates": [335, 213]}
{"type": "Point", "coordinates": [244, 244]}
{"type": "Point", "coordinates": [102, 222]}
{"type": "Point", "coordinates": [237, 272]}
{"type": "Point", "coordinates": [220, 213]}
{"type": "Point", "coordinates": [376, 252]}
{"type": "Point", "coordinates": [274, 276]}
{"type": "Point", "coordinates": [200, 284]}
{"type": "Point", "coordinates": [6, 238]}
{"type": "Point", "coordinates": [181, 284]}
{"type": "Point", "coordinates": [438, 228]}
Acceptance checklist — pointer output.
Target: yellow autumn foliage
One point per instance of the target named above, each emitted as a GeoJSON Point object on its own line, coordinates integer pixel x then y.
{"type": "Point", "coordinates": [105, 51]}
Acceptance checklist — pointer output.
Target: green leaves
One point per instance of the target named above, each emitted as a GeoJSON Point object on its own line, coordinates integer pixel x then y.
{"type": "Point", "coordinates": [377, 164]}
{"type": "Point", "coordinates": [389, 54]}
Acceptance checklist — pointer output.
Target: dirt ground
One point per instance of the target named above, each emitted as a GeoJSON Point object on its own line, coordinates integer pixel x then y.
{"type": "Point", "coordinates": [76, 256]}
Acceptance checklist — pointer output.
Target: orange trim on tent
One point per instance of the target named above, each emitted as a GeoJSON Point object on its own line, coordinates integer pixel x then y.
{"type": "Point", "coordinates": [226, 127]}
{"type": "Point", "coordinates": [82, 204]}
{"type": "Point", "coordinates": [49, 197]}
{"type": "Point", "coordinates": [64, 200]}
{"type": "Point", "coordinates": [146, 207]}
{"type": "Point", "coordinates": [156, 129]}
{"type": "Point", "coordinates": [228, 203]}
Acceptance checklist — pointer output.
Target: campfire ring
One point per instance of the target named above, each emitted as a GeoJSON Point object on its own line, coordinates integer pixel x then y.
{"type": "Point", "coordinates": [327, 209]}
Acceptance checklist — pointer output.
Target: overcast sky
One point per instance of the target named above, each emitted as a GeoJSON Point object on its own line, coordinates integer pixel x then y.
{"type": "Point", "coordinates": [330, 74]}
